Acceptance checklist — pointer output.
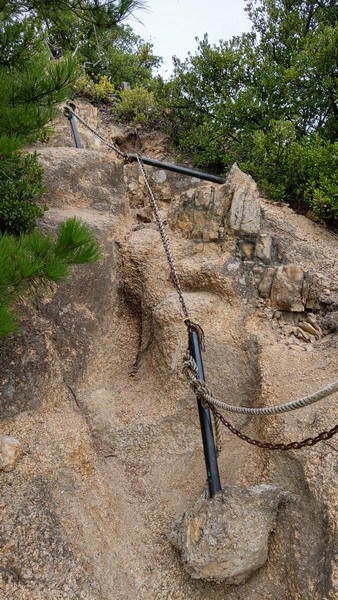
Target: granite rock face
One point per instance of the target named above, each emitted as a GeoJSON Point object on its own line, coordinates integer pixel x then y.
{"type": "Point", "coordinates": [200, 213]}
{"type": "Point", "coordinates": [92, 388]}
{"type": "Point", "coordinates": [204, 214]}
{"type": "Point", "coordinates": [245, 210]}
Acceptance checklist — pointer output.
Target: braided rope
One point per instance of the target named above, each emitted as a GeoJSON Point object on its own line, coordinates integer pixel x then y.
{"type": "Point", "coordinates": [165, 240]}
{"type": "Point", "coordinates": [202, 391]}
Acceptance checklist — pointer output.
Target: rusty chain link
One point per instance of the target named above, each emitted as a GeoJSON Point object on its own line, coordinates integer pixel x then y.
{"type": "Point", "coordinates": [324, 435]}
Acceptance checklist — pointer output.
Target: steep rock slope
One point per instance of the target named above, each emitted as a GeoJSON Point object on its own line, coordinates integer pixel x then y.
{"type": "Point", "coordinates": [92, 387]}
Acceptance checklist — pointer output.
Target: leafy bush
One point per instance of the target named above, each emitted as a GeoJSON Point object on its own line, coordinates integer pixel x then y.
{"type": "Point", "coordinates": [323, 198]}
{"type": "Point", "coordinates": [33, 259]}
{"type": "Point", "coordinates": [102, 91]}
{"type": "Point", "coordinates": [301, 172]}
{"type": "Point", "coordinates": [136, 105]}
{"type": "Point", "coordinates": [21, 189]}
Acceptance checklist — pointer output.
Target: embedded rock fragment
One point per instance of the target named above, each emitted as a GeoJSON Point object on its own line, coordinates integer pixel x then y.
{"type": "Point", "coordinates": [226, 538]}
{"type": "Point", "coordinates": [10, 449]}
{"type": "Point", "coordinates": [287, 288]}
{"type": "Point", "coordinates": [265, 284]}
{"type": "Point", "coordinates": [199, 214]}
{"type": "Point", "coordinates": [245, 211]}
{"type": "Point", "coordinates": [263, 248]}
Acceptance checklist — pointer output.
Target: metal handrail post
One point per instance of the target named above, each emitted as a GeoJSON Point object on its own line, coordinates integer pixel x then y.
{"type": "Point", "coordinates": [210, 455]}
{"type": "Point", "coordinates": [72, 119]}
{"type": "Point", "coordinates": [75, 132]}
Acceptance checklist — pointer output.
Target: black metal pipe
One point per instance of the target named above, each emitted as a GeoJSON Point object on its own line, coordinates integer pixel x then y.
{"type": "Point", "coordinates": [75, 131]}
{"type": "Point", "coordinates": [210, 455]}
{"type": "Point", "coordinates": [178, 169]}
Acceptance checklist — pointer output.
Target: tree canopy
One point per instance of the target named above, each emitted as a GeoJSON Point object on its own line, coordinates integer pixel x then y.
{"type": "Point", "coordinates": [268, 100]}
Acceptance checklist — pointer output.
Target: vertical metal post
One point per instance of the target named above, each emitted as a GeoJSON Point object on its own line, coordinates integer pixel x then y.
{"type": "Point", "coordinates": [73, 125]}
{"type": "Point", "coordinates": [75, 132]}
{"type": "Point", "coordinates": [210, 455]}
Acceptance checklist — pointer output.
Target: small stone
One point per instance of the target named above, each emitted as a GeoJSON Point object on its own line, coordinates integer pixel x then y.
{"type": "Point", "coordinates": [159, 176]}
{"type": "Point", "coordinates": [303, 335]}
{"type": "Point", "coordinates": [265, 284]}
{"type": "Point", "coordinates": [309, 328]}
{"type": "Point", "coordinates": [246, 250]}
{"type": "Point", "coordinates": [10, 449]}
{"type": "Point", "coordinates": [263, 248]}
{"type": "Point", "coordinates": [287, 288]}
{"type": "Point", "coordinates": [144, 215]}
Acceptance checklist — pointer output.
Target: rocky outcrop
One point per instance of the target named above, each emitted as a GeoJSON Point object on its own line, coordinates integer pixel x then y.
{"type": "Point", "coordinates": [226, 538]}
{"type": "Point", "coordinates": [92, 390]}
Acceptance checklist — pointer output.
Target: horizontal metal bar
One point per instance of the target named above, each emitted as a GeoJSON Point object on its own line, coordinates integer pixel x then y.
{"type": "Point", "coordinates": [178, 169]}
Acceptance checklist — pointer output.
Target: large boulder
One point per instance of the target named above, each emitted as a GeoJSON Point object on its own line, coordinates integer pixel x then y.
{"type": "Point", "coordinates": [226, 538]}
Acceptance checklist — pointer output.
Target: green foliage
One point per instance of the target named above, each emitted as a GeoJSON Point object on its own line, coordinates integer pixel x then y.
{"type": "Point", "coordinates": [266, 99]}
{"type": "Point", "coordinates": [135, 105]}
{"type": "Point", "coordinates": [21, 189]}
{"type": "Point", "coordinates": [29, 94]}
{"type": "Point", "coordinates": [119, 55]}
{"type": "Point", "coordinates": [102, 91]}
{"type": "Point", "coordinates": [31, 85]}
{"type": "Point", "coordinates": [32, 260]}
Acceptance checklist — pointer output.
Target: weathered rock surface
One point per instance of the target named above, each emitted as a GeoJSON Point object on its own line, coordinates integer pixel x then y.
{"type": "Point", "coordinates": [245, 210]}
{"type": "Point", "coordinates": [92, 388]}
{"type": "Point", "coordinates": [287, 288]}
{"type": "Point", "coordinates": [226, 538]}
{"type": "Point", "coordinates": [200, 213]}
{"type": "Point", "coordinates": [203, 214]}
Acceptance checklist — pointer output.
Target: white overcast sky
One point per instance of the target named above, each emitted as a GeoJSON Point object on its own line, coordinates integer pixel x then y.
{"type": "Point", "coordinates": [172, 25]}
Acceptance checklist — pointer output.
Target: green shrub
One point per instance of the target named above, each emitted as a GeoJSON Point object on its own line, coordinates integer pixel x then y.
{"type": "Point", "coordinates": [135, 106]}
{"type": "Point", "coordinates": [302, 172]}
{"type": "Point", "coordinates": [21, 189]}
{"type": "Point", "coordinates": [102, 91]}
{"type": "Point", "coordinates": [323, 198]}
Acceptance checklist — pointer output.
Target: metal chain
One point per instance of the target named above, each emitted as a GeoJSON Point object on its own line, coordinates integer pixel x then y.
{"type": "Point", "coordinates": [190, 368]}
{"type": "Point", "coordinates": [308, 442]}
{"type": "Point", "coordinates": [164, 238]}
{"type": "Point", "coordinates": [94, 132]}
{"type": "Point", "coordinates": [191, 373]}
